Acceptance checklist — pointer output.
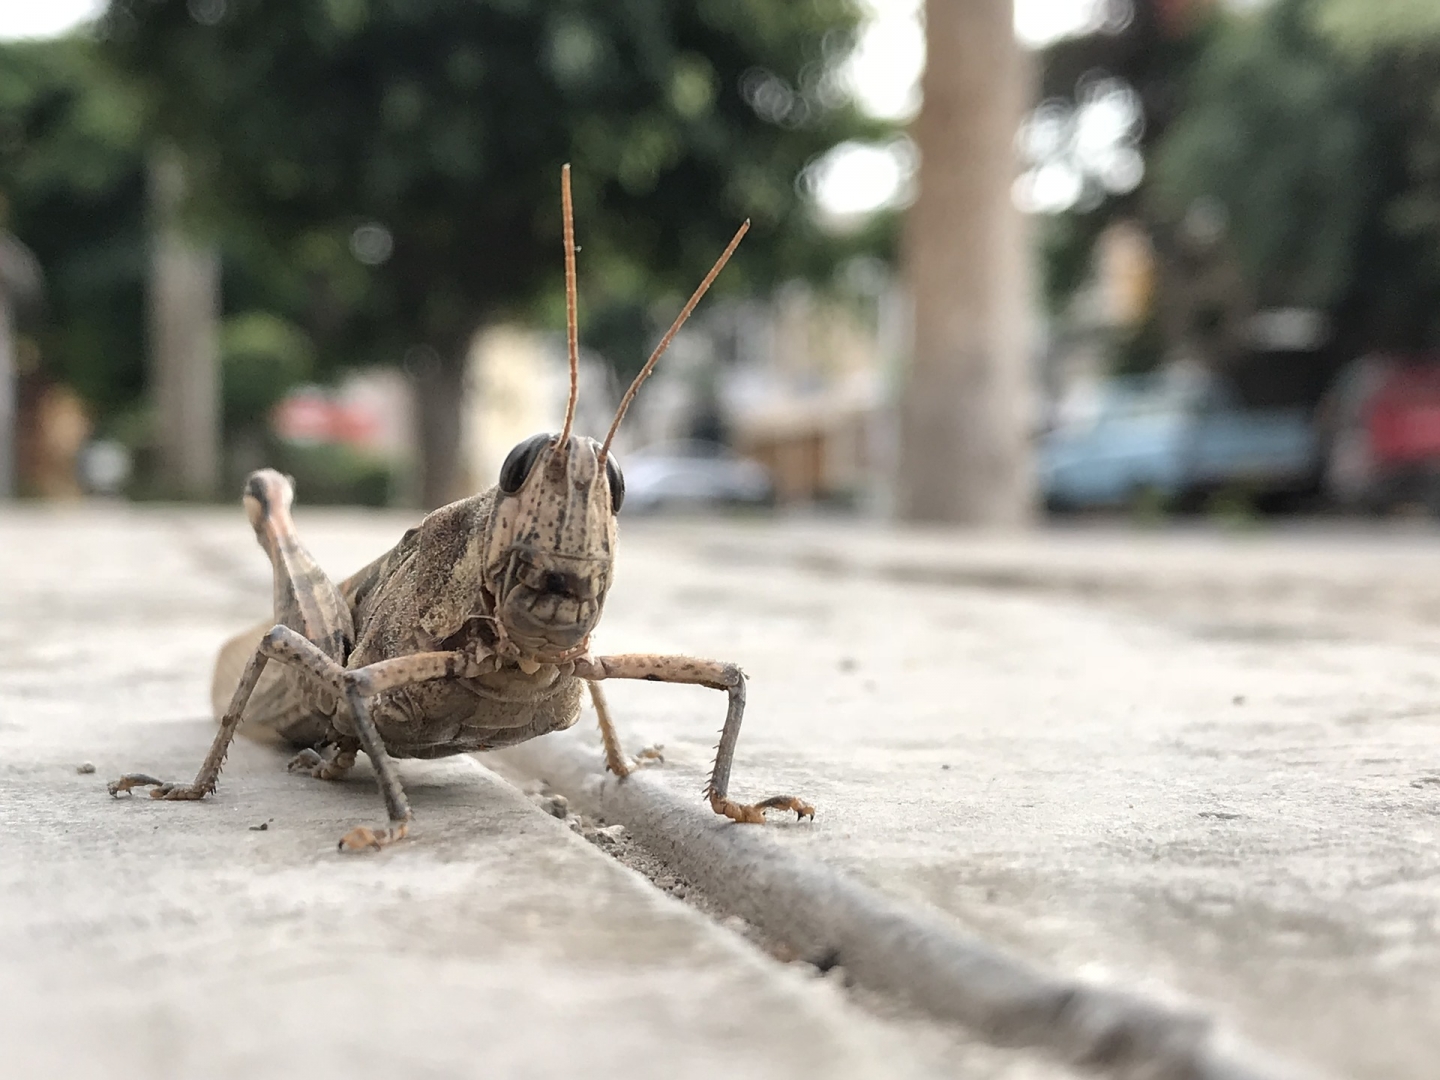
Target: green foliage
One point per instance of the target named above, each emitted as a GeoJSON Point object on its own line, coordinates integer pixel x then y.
{"type": "Point", "coordinates": [1154, 54]}
{"type": "Point", "coordinates": [1311, 132]}
{"type": "Point", "coordinates": [1367, 25]}
{"type": "Point", "coordinates": [1316, 129]}
{"type": "Point", "coordinates": [261, 357]}
{"type": "Point", "coordinates": [1275, 137]}
{"type": "Point", "coordinates": [72, 188]}
{"type": "Point", "coordinates": [1141, 348]}
{"type": "Point", "coordinates": [401, 158]}
{"type": "Point", "coordinates": [332, 474]}
{"type": "Point", "coordinates": [1067, 243]}
{"type": "Point", "coordinates": [1395, 298]}
{"type": "Point", "coordinates": [445, 123]}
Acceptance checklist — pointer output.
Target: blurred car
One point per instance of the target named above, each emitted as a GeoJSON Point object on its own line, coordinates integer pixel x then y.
{"type": "Point", "coordinates": [1174, 438]}
{"type": "Point", "coordinates": [693, 473]}
{"type": "Point", "coordinates": [1382, 422]}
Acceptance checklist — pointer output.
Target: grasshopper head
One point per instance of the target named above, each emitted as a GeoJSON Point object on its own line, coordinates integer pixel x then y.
{"type": "Point", "coordinates": [552, 546]}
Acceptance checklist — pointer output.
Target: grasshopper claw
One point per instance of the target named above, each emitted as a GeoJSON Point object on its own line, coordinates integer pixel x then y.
{"type": "Point", "coordinates": [363, 838]}
{"type": "Point", "coordinates": [159, 789]}
{"type": "Point", "coordinates": [754, 814]}
{"type": "Point", "coordinates": [788, 802]}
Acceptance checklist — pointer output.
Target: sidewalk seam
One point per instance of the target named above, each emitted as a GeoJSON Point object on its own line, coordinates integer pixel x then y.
{"type": "Point", "coordinates": [897, 949]}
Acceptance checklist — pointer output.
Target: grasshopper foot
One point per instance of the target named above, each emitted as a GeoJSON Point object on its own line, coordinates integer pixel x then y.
{"type": "Point", "coordinates": [363, 838]}
{"type": "Point", "coordinates": [159, 789]}
{"type": "Point", "coordinates": [754, 813]}
{"type": "Point", "coordinates": [306, 760]}
{"type": "Point", "coordinates": [179, 792]}
{"type": "Point", "coordinates": [330, 766]}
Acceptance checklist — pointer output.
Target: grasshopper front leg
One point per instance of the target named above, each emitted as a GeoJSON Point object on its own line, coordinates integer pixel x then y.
{"type": "Point", "coordinates": [718, 676]}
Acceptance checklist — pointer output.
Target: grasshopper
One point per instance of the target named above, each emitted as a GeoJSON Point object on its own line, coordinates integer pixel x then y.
{"type": "Point", "coordinates": [472, 633]}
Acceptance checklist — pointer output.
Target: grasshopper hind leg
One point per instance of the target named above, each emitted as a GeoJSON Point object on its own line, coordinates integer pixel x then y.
{"type": "Point", "coordinates": [312, 636]}
{"type": "Point", "coordinates": [209, 773]}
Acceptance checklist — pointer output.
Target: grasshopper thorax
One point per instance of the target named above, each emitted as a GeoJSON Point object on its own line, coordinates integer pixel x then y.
{"type": "Point", "coordinates": [551, 548]}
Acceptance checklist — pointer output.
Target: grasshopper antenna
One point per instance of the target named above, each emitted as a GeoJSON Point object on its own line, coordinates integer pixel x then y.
{"type": "Point", "coordinates": [669, 334]}
{"type": "Point", "coordinates": [571, 304]}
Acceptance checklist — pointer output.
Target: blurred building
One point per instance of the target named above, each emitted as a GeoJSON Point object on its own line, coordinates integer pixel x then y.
{"type": "Point", "coordinates": [517, 384]}
{"type": "Point", "coordinates": [797, 382]}
{"type": "Point", "coordinates": [54, 428]}
{"type": "Point", "coordinates": [1114, 302]}
{"type": "Point", "coordinates": [810, 403]}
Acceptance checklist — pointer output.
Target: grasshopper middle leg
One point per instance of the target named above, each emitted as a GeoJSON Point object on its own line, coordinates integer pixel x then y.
{"type": "Point", "coordinates": [614, 756]}
{"type": "Point", "coordinates": [717, 676]}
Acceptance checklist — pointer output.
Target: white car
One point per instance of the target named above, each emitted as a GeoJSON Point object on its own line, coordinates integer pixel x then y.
{"type": "Point", "coordinates": [693, 473]}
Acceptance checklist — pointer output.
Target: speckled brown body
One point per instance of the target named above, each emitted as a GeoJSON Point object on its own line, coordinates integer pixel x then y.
{"type": "Point", "coordinates": [409, 601]}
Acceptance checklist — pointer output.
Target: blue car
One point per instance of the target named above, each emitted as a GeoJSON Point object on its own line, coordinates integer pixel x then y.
{"type": "Point", "coordinates": [1171, 437]}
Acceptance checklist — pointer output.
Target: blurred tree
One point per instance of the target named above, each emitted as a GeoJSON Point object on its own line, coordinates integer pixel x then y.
{"type": "Point", "coordinates": [964, 443]}
{"type": "Point", "coordinates": [403, 155]}
{"type": "Point", "coordinates": [1366, 26]}
{"type": "Point", "coordinates": [72, 187]}
{"type": "Point", "coordinates": [1149, 53]}
{"type": "Point", "coordinates": [1394, 51]}
{"type": "Point", "coordinates": [184, 307]}
{"type": "Point", "coordinates": [1269, 156]}
{"type": "Point", "coordinates": [1309, 150]}
{"type": "Point", "coordinates": [1291, 159]}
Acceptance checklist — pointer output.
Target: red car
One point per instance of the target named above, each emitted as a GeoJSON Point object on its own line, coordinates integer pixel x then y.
{"type": "Point", "coordinates": [1383, 421]}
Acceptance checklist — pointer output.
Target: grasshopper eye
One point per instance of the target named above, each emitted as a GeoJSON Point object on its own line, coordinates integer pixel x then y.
{"type": "Point", "coordinates": [520, 461]}
{"type": "Point", "coordinates": [617, 482]}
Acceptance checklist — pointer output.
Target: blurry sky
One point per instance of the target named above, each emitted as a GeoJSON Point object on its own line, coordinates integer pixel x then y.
{"type": "Point", "coordinates": [44, 18]}
{"type": "Point", "coordinates": [884, 75]}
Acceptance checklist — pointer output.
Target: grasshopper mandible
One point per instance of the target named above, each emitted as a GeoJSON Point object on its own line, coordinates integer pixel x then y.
{"type": "Point", "coordinates": [472, 633]}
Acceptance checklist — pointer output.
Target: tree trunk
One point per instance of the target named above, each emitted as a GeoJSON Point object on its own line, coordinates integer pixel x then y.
{"type": "Point", "coordinates": [184, 342]}
{"type": "Point", "coordinates": [440, 396]}
{"type": "Point", "coordinates": [964, 418]}
{"type": "Point", "coordinates": [7, 397]}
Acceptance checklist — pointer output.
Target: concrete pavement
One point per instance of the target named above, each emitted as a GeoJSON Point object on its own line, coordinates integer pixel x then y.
{"type": "Point", "coordinates": [1118, 757]}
